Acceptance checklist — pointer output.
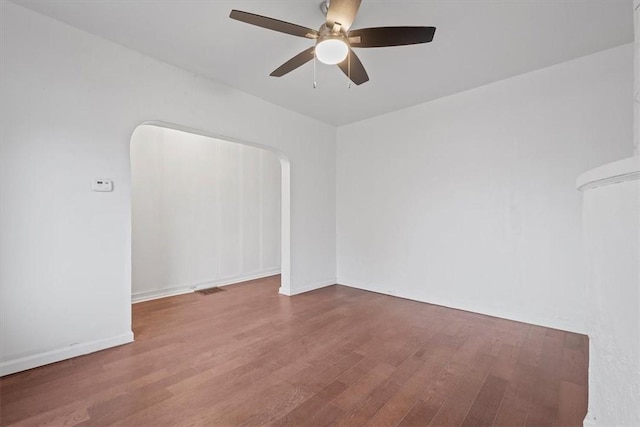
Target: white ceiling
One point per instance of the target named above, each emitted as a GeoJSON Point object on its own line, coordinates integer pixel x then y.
{"type": "Point", "coordinates": [477, 42]}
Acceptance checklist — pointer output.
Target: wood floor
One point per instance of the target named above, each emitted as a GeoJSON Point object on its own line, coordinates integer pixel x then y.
{"type": "Point", "coordinates": [336, 356]}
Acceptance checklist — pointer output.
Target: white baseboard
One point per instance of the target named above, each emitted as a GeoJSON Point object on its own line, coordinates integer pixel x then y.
{"type": "Point", "coordinates": [547, 323]}
{"type": "Point", "coordinates": [52, 356]}
{"type": "Point", "coordinates": [160, 293]}
{"type": "Point", "coordinates": [179, 290]}
{"type": "Point", "coordinates": [238, 279]}
{"type": "Point", "coordinates": [308, 288]}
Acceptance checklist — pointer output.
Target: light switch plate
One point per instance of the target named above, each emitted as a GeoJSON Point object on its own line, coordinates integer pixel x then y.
{"type": "Point", "coordinates": [100, 184]}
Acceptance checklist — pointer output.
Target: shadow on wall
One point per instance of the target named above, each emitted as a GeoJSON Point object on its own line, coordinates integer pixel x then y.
{"type": "Point", "coordinates": [206, 211]}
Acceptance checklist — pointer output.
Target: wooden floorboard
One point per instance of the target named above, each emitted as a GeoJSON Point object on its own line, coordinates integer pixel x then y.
{"type": "Point", "coordinates": [335, 356]}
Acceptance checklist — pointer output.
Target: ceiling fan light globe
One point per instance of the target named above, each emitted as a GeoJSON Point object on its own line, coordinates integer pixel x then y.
{"type": "Point", "coordinates": [331, 51]}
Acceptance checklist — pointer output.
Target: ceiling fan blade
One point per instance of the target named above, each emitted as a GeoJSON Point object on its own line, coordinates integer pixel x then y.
{"type": "Point", "coordinates": [390, 36]}
{"type": "Point", "coordinates": [356, 70]}
{"type": "Point", "coordinates": [295, 62]}
{"type": "Point", "coordinates": [273, 24]}
{"type": "Point", "coordinates": [342, 12]}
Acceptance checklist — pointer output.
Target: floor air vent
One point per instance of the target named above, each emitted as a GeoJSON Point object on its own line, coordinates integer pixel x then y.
{"type": "Point", "coordinates": [209, 291]}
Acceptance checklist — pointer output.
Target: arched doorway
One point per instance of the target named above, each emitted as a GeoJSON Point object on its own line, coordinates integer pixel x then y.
{"type": "Point", "coordinates": [205, 141]}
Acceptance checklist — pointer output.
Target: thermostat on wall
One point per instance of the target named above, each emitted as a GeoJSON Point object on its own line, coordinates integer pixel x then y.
{"type": "Point", "coordinates": [100, 184]}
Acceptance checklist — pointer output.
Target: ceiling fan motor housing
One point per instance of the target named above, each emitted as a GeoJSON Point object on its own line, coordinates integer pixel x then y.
{"type": "Point", "coordinates": [325, 33]}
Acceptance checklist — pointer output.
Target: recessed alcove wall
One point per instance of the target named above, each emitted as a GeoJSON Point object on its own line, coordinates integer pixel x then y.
{"type": "Point", "coordinates": [205, 212]}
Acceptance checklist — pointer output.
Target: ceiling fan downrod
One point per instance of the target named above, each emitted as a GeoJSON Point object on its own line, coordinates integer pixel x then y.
{"type": "Point", "coordinates": [324, 7]}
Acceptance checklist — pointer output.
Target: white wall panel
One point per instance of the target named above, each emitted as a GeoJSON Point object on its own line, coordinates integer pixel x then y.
{"type": "Point", "coordinates": [251, 176]}
{"type": "Point", "coordinates": [270, 212]}
{"type": "Point", "coordinates": [230, 210]}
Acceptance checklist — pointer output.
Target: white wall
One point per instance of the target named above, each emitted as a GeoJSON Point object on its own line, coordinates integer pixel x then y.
{"type": "Point", "coordinates": [70, 102]}
{"type": "Point", "coordinates": [469, 201]}
{"type": "Point", "coordinates": [205, 212]}
{"type": "Point", "coordinates": [611, 221]}
{"type": "Point", "coordinates": [636, 88]}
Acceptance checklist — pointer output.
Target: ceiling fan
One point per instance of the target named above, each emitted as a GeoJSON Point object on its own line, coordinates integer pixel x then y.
{"type": "Point", "coordinates": [334, 41]}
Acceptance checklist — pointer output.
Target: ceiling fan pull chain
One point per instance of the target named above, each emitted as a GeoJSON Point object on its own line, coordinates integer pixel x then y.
{"type": "Point", "coordinates": [314, 70]}
{"type": "Point", "coordinates": [349, 69]}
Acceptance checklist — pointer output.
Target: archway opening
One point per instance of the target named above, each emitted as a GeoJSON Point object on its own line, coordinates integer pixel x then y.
{"type": "Point", "coordinates": [207, 211]}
